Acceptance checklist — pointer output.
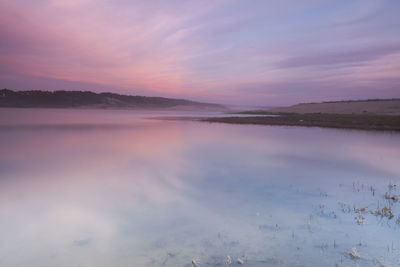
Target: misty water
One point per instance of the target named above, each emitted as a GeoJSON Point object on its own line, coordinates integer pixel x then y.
{"type": "Point", "coordinates": [125, 188]}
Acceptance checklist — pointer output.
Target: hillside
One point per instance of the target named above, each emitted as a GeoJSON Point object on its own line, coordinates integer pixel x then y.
{"type": "Point", "coordinates": [375, 106]}
{"type": "Point", "coordinates": [87, 99]}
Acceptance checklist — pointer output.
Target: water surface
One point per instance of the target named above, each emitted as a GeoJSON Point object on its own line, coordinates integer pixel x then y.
{"type": "Point", "coordinates": [115, 188]}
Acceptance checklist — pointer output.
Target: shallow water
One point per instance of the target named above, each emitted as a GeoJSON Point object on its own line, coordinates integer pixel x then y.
{"type": "Point", "coordinates": [115, 188]}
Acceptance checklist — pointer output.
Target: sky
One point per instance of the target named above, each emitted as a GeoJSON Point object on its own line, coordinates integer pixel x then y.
{"type": "Point", "coordinates": [256, 52]}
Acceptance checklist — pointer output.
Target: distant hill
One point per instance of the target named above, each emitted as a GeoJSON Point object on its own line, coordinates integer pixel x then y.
{"type": "Point", "coordinates": [87, 99]}
{"type": "Point", "coordinates": [371, 106]}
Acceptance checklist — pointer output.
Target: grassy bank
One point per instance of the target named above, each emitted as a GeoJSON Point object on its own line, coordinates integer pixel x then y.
{"type": "Point", "coordinates": [345, 121]}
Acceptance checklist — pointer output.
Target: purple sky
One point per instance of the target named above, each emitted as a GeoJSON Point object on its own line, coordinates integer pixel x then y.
{"type": "Point", "coordinates": [232, 52]}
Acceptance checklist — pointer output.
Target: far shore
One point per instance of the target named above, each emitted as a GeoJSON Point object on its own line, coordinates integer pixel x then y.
{"type": "Point", "coordinates": [363, 115]}
{"type": "Point", "coordinates": [367, 107]}
{"type": "Point", "coordinates": [343, 121]}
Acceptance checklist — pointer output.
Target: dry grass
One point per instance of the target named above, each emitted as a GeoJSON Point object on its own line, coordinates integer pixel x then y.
{"type": "Point", "coordinates": [346, 121]}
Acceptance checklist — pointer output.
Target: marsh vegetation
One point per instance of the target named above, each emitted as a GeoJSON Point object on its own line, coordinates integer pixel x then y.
{"type": "Point", "coordinates": [345, 121]}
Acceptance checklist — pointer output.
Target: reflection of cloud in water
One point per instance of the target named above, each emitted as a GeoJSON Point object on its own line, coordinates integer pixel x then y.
{"type": "Point", "coordinates": [81, 242]}
{"type": "Point", "coordinates": [165, 192]}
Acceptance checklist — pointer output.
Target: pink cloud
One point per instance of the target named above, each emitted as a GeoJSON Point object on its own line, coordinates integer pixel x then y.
{"type": "Point", "coordinates": [211, 51]}
{"type": "Point", "coordinates": [89, 48]}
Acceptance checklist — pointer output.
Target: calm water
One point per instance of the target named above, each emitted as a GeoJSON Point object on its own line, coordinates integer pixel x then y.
{"type": "Point", "coordinates": [115, 188]}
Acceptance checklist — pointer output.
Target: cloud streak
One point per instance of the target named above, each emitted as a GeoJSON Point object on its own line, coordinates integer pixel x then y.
{"type": "Point", "coordinates": [359, 56]}
{"type": "Point", "coordinates": [201, 50]}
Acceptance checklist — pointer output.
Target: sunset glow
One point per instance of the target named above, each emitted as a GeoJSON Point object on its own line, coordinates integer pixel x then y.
{"type": "Point", "coordinates": [230, 52]}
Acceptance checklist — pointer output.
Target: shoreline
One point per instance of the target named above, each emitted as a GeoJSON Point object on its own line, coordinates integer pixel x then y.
{"type": "Point", "coordinates": [338, 121]}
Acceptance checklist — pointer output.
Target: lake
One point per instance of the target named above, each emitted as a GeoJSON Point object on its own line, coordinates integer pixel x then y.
{"type": "Point", "coordinates": [126, 188]}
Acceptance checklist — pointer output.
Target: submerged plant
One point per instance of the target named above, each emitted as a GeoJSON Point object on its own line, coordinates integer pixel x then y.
{"type": "Point", "coordinates": [384, 212]}
{"type": "Point", "coordinates": [195, 262]}
{"type": "Point", "coordinates": [389, 196]}
{"type": "Point", "coordinates": [379, 263]}
{"type": "Point", "coordinates": [373, 190]}
{"type": "Point", "coordinates": [228, 261]}
{"type": "Point", "coordinates": [353, 254]}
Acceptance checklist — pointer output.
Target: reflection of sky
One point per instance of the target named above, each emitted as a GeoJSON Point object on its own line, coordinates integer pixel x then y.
{"type": "Point", "coordinates": [161, 192]}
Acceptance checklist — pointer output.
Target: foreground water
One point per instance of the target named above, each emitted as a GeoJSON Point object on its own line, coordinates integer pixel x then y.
{"type": "Point", "coordinates": [117, 188]}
